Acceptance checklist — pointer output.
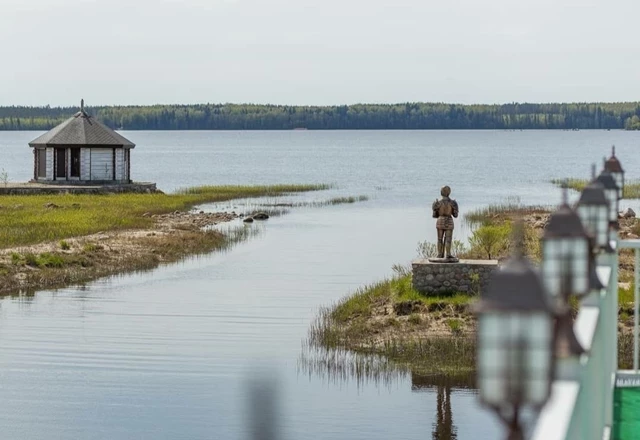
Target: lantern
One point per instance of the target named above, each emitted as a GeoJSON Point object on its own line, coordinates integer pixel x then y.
{"type": "Point", "coordinates": [611, 193]}
{"type": "Point", "coordinates": [516, 358]}
{"type": "Point", "coordinates": [565, 253]}
{"type": "Point", "coordinates": [593, 209]}
{"type": "Point", "coordinates": [613, 166]}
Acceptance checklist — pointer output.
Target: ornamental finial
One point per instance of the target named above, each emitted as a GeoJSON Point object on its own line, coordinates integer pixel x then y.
{"type": "Point", "coordinates": [82, 105]}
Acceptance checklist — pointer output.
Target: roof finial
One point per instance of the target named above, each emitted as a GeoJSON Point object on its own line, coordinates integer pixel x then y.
{"type": "Point", "coordinates": [82, 105]}
{"type": "Point", "coordinates": [593, 171]}
{"type": "Point", "coordinates": [613, 151]}
{"type": "Point", "coordinates": [565, 197]}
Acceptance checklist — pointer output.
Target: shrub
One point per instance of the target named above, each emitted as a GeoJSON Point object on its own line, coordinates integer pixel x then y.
{"type": "Point", "coordinates": [415, 319]}
{"type": "Point", "coordinates": [64, 245]}
{"type": "Point", "coordinates": [491, 240]}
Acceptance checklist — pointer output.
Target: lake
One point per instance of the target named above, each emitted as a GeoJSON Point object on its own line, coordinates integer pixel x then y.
{"type": "Point", "coordinates": [174, 353]}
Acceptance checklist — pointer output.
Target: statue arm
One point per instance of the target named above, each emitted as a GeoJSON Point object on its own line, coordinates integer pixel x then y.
{"type": "Point", "coordinates": [436, 208]}
{"type": "Point", "coordinates": [455, 208]}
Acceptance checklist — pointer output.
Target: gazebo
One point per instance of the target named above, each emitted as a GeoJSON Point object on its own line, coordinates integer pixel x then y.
{"type": "Point", "coordinates": [81, 150]}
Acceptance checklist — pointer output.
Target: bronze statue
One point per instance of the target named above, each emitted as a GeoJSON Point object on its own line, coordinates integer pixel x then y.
{"type": "Point", "coordinates": [445, 210]}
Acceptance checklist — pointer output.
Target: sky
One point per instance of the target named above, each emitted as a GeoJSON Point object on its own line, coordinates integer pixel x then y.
{"type": "Point", "coordinates": [317, 52]}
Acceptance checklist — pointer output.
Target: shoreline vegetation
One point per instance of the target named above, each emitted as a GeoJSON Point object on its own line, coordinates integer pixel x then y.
{"type": "Point", "coordinates": [631, 189]}
{"type": "Point", "coordinates": [50, 241]}
{"type": "Point", "coordinates": [435, 335]}
{"type": "Point", "coordinates": [400, 116]}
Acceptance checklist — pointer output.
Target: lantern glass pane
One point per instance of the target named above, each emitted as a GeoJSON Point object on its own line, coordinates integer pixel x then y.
{"type": "Point", "coordinates": [492, 390]}
{"type": "Point", "coordinates": [537, 391]}
{"type": "Point", "coordinates": [551, 248]}
{"type": "Point", "coordinates": [491, 329]}
{"type": "Point", "coordinates": [552, 285]}
{"type": "Point", "coordinates": [539, 329]}
{"type": "Point", "coordinates": [491, 360]}
{"type": "Point", "coordinates": [581, 247]}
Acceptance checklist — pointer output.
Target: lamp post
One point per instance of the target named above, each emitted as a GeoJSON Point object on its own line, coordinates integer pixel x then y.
{"type": "Point", "coordinates": [611, 194]}
{"type": "Point", "coordinates": [593, 209]}
{"type": "Point", "coordinates": [516, 358]}
{"type": "Point", "coordinates": [613, 166]}
{"type": "Point", "coordinates": [566, 255]}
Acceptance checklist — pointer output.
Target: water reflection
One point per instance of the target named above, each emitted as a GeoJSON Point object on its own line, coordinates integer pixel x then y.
{"type": "Point", "coordinates": [338, 367]}
{"type": "Point", "coordinates": [443, 427]}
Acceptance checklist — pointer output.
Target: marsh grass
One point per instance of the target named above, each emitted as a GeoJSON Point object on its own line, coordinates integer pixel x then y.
{"type": "Point", "coordinates": [631, 189]}
{"type": "Point", "coordinates": [31, 219]}
{"type": "Point", "coordinates": [317, 203]}
{"type": "Point", "coordinates": [509, 209]}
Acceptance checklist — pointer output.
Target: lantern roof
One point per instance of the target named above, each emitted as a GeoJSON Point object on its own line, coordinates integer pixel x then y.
{"type": "Point", "coordinates": [613, 164]}
{"type": "Point", "coordinates": [606, 179]}
{"type": "Point", "coordinates": [564, 223]}
{"type": "Point", "coordinates": [515, 287]}
{"type": "Point", "coordinates": [593, 194]}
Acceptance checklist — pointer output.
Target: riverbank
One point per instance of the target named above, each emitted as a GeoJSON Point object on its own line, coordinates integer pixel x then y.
{"type": "Point", "coordinates": [436, 334]}
{"type": "Point", "coordinates": [57, 240]}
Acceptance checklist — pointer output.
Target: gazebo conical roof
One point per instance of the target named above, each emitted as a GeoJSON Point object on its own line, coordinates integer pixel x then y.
{"type": "Point", "coordinates": [84, 130]}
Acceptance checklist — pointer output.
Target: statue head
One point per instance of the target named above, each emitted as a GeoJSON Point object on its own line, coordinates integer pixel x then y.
{"type": "Point", "coordinates": [445, 191]}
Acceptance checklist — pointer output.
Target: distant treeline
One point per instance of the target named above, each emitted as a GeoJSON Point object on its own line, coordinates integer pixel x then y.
{"type": "Point", "coordinates": [348, 117]}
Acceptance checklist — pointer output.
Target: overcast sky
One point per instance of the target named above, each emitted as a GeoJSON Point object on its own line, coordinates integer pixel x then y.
{"type": "Point", "coordinates": [317, 51]}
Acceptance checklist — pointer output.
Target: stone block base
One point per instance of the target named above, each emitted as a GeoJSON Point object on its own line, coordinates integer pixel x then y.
{"type": "Point", "coordinates": [464, 276]}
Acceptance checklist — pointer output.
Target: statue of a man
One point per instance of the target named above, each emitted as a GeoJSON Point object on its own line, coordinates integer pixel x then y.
{"type": "Point", "coordinates": [445, 210]}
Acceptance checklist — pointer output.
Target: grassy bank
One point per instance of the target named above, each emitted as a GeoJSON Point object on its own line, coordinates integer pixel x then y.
{"type": "Point", "coordinates": [76, 261]}
{"type": "Point", "coordinates": [432, 335]}
{"type": "Point", "coordinates": [436, 334]}
{"type": "Point", "coordinates": [31, 219]}
{"type": "Point", "coordinates": [631, 189]}
{"type": "Point", "coordinates": [55, 240]}
{"type": "Point", "coordinates": [425, 335]}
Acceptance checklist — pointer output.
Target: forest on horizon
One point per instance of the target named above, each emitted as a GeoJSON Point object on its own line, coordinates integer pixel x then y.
{"type": "Point", "coordinates": [404, 116]}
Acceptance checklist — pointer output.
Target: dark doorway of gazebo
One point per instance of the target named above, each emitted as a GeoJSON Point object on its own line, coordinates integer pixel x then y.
{"type": "Point", "coordinates": [75, 162]}
{"type": "Point", "coordinates": [61, 163]}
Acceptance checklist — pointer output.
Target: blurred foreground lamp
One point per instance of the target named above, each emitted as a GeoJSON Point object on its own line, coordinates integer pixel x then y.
{"type": "Point", "coordinates": [515, 341]}
{"type": "Point", "coordinates": [611, 193]}
{"type": "Point", "coordinates": [613, 166]}
{"type": "Point", "coordinates": [566, 254]}
{"type": "Point", "coordinates": [593, 209]}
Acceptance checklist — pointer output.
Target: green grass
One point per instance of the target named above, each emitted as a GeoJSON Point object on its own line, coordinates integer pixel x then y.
{"type": "Point", "coordinates": [363, 302]}
{"type": "Point", "coordinates": [631, 189]}
{"type": "Point", "coordinates": [626, 296]}
{"type": "Point", "coordinates": [27, 220]}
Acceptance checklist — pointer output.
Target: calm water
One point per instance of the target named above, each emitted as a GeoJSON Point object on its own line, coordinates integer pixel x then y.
{"type": "Point", "coordinates": [171, 353]}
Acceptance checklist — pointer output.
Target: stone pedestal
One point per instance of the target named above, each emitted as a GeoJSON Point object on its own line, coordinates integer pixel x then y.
{"type": "Point", "coordinates": [470, 276]}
